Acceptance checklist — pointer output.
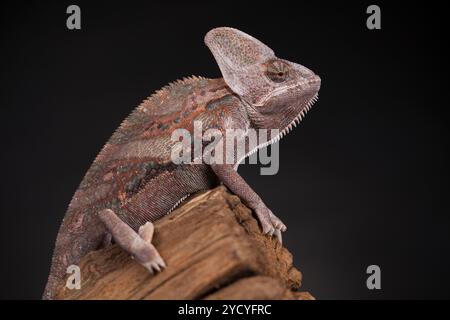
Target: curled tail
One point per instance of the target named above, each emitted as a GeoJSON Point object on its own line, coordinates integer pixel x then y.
{"type": "Point", "coordinates": [79, 234]}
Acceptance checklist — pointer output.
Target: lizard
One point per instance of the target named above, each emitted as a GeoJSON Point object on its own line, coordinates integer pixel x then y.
{"type": "Point", "coordinates": [133, 182]}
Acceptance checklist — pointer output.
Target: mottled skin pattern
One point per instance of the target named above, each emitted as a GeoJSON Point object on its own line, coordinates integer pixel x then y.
{"type": "Point", "coordinates": [133, 181]}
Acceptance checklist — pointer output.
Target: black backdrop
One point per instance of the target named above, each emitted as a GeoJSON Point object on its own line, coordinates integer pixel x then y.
{"type": "Point", "coordinates": [363, 180]}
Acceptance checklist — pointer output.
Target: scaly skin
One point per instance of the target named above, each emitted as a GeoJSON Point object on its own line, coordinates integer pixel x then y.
{"type": "Point", "coordinates": [133, 180]}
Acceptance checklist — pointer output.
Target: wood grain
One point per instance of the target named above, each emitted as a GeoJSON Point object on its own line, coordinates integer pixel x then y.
{"type": "Point", "coordinates": [213, 248]}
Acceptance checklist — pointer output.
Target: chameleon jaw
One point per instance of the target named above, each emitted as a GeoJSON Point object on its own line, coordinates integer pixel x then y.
{"type": "Point", "coordinates": [283, 132]}
{"type": "Point", "coordinates": [297, 119]}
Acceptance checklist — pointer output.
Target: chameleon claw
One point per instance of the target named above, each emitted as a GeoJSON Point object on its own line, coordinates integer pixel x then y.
{"type": "Point", "coordinates": [267, 227]}
{"type": "Point", "coordinates": [162, 264]}
{"type": "Point", "coordinates": [277, 223]}
{"type": "Point", "coordinates": [277, 233]}
{"type": "Point", "coordinates": [155, 262]}
{"type": "Point", "coordinates": [156, 265]}
{"type": "Point", "coordinates": [270, 223]}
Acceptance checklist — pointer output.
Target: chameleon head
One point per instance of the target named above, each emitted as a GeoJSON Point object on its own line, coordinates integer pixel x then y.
{"type": "Point", "coordinates": [277, 92]}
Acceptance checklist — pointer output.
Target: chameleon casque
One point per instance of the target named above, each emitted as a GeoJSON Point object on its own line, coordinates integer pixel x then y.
{"type": "Point", "coordinates": [133, 181]}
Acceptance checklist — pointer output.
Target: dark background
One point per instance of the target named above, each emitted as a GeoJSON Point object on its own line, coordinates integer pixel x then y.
{"type": "Point", "coordinates": [363, 180]}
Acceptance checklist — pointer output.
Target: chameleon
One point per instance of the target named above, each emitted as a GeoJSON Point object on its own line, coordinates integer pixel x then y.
{"type": "Point", "coordinates": [133, 182]}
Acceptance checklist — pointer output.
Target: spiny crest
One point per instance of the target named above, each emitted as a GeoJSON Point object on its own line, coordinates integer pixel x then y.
{"type": "Point", "coordinates": [156, 96]}
{"type": "Point", "coordinates": [183, 81]}
{"type": "Point", "coordinates": [138, 114]}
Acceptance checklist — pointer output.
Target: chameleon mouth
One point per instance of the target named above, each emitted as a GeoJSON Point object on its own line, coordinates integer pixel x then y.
{"type": "Point", "coordinates": [285, 131]}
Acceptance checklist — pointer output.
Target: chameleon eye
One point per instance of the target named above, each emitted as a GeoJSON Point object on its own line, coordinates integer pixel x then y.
{"type": "Point", "coordinates": [277, 71]}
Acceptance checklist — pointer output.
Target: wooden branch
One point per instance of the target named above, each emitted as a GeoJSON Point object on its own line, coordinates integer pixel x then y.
{"type": "Point", "coordinates": [213, 248]}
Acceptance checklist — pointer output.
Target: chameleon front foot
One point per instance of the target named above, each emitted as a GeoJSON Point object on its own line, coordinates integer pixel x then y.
{"type": "Point", "coordinates": [138, 245]}
{"type": "Point", "coordinates": [270, 223]}
{"type": "Point", "coordinates": [279, 227]}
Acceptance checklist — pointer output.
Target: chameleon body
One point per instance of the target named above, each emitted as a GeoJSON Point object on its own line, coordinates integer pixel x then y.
{"type": "Point", "coordinates": [133, 180]}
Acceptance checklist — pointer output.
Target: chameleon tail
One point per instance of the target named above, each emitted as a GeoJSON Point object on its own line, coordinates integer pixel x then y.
{"type": "Point", "coordinates": [79, 234]}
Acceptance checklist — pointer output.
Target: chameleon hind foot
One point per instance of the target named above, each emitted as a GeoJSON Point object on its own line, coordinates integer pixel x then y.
{"type": "Point", "coordinates": [138, 245]}
{"type": "Point", "coordinates": [146, 233]}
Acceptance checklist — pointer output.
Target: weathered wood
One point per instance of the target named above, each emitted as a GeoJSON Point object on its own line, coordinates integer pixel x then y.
{"type": "Point", "coordinates": [258, 288]}
{"type": "Point", "coordinates": [213, 247]}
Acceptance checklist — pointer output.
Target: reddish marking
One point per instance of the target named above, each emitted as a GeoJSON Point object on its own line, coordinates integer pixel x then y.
{"type": "Point", "coordinates": [108, 176]}
{"type": "Point", "coordinates": [122, 196]}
